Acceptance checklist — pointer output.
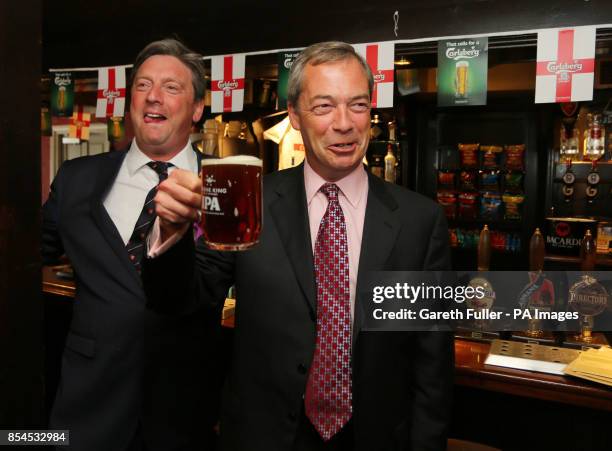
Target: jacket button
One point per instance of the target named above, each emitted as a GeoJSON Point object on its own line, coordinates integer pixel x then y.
{"type": "Point", "coordinates": [301, 368]}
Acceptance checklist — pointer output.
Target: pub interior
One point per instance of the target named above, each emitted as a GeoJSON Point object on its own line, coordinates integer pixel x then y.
{"type": "Point", "coordinates": [524, 186]}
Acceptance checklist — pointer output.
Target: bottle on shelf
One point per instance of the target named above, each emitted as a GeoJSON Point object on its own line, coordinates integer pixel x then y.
{"type": "Point", "coordinates": [378, 129]}
{"type": "Point", "coordinates": [586, 134]}
{"type": "Point", "coordinates": [595, 147]}
{"type": "Point", "coordinates": [392, 131]}
{"type": "Point", "coordinates": [390, 161]}
{"type": "Point", "coordinates": [377, 166]}
{"type": "Point", "coordinates": [573, 144]}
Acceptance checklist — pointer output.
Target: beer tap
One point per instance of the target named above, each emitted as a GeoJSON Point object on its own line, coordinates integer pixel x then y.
{"type": "Point", "coordinates": [569, 150]}
{"type": "Point", "coordinates": [536, 265]}
{"type": "Point", "coordinates": [594, 149]}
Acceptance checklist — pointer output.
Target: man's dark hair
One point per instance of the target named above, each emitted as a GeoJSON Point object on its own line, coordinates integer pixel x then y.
{"type": "Point", "coordinates": [188, 57]}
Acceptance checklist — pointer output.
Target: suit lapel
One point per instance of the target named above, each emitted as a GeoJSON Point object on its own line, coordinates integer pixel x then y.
{"type": "Point", "coordinates": [104, 181]}
{"type": "Point", "coordinates": [380, 230]}
{"type": "Point", "coordinates": [105, 178]}
{"type": "Point", "coordinates": [290, 213]}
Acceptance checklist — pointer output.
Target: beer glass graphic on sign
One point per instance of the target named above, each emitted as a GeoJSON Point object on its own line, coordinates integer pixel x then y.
{"type": "Point", "coordinates": [461, 79]}
{"type": "Point", "coordinates": [231, 202]}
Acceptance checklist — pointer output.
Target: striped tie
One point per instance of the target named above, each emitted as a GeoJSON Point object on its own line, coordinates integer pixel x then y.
{"type": "Point", "coordinates": [136, 245]}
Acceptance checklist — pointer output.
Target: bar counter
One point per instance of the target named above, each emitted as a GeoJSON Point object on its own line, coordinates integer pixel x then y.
{"type": "Point", "coordinates": [470, 370]}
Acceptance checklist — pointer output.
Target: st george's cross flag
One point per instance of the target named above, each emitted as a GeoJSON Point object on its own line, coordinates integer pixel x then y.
{"type": "Point", "coordinates": [380, 56]}
{"type": "Point", "coordinates": [227, 85]}
{"type": "Point", "coordinates": [566, 64]}
{"type": "Point", "coordinates": [79, 124]}
{"type": "Point", "coordinates": [111, 92]}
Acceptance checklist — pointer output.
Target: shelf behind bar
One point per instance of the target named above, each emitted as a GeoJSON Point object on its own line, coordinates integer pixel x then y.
{"type": "Point", "coordinates": [600, 259]}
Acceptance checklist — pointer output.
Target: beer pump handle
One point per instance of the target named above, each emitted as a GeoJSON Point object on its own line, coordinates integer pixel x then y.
{"type": "Point", "coordinates": [536, 251]}
{"type": "Point", "coordinates": [484, 249]}
{"type": "Point", "coordinates": [587, 252]}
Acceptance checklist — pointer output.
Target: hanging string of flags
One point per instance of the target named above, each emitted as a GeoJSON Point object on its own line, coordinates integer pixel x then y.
{"type": "Point", "coordinates": [565, 72]}
{"type": "Point", "coordinates": [227, 85]}
{"type": "Point", "coordinates": [111, 92]}
{"type": "Point", "coordinates": [79, 125]}
{"type": "Point", "coordinates": [565, 69]}
{"type": "Point", "coordinates": [380, 56]}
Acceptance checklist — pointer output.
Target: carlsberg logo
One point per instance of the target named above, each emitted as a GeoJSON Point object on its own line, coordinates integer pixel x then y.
{"type": "Point", "coordinates": [227, 84]}
{"type": "Point", "coordinates": [458, 54]}
{"type": "Point", "coordinates": [110, 94]}
{"type": "Point", "coordinates": [379, 78]}
{"type": "Point", "coordinates": [553, 67]}
{"type": "Point", "coordinates": [62, 79]}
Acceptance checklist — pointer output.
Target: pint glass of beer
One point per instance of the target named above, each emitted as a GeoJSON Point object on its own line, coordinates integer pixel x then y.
{"type": "Point", "coordinates": [231, 202]}
{"type": "Point", "coordinates": [461, 79]}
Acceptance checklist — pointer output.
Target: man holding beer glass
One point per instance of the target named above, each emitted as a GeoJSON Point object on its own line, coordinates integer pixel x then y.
{"type": "Point", "coordinates": [112, 394]}
{"type": "Point", "coordinates": [304, 376]}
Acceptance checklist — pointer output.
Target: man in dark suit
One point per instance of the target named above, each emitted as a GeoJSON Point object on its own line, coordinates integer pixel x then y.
{"type": "Point", "coordinates": [304, 375]}
{"type": "Point", "coordinates": [112, 394]}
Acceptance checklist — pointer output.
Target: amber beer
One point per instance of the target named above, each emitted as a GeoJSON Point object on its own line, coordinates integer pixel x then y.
{"type": "Point", "coordinates": [231, 202]}
{"type": "Point", "coordinates": [461, 79]}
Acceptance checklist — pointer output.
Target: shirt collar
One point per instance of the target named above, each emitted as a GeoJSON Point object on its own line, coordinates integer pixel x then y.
{"type": "Point", "coordinates": [353, 186]}
{"type": "Point", "coordinates": [136, 159]}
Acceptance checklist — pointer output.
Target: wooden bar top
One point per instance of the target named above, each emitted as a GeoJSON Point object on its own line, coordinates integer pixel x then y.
{"type": "Point", "coordinates": [52, 284]}
{"type": "Point", "coordinates": [470, 370]}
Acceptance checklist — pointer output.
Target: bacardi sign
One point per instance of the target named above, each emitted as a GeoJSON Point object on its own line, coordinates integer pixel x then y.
{"type": "Point", "coordinates": [563, 242]}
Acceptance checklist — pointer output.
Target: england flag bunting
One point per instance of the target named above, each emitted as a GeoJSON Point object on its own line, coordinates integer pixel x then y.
{"type": "Point", "coordinates": [79, 124]}
{"type": "Point", "coordinates": [227, 85]}
{"type": "Point", "coordinates": [380, 56]}
{"type": "Point", "coordinates": [566, 63]}
{"type": "Point", "coordinates": [111, 92]}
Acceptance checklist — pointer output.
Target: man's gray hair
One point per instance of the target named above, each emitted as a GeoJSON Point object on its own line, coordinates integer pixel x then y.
{"type": "Point", "coordinates": [323, 52]}
{"type": "Point", "coordinates": [177, 49]}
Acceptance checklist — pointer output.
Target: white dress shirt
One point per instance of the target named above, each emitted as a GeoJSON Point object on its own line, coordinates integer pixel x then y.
{"type": "Point", "coordinates": [135, 179]}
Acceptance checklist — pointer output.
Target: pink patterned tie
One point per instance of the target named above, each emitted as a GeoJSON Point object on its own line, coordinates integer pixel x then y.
{"type": "Point", "coordinates": [328, 400]}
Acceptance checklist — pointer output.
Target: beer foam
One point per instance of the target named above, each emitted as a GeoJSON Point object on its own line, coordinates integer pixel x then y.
{"type": "Point", "coordinates": [235, 159]}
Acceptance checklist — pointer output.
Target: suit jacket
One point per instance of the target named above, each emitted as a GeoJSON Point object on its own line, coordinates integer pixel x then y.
{"type": "Point", "coordinates": [402, 381]}
{"type": "Point", "coordinates": [124, 367]}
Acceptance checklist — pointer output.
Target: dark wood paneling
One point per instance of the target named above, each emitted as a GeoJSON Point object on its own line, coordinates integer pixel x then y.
{"type": "Point", "coordinates": [112, 32]}
{"type": "Point", "coordinates": [21, 344]}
